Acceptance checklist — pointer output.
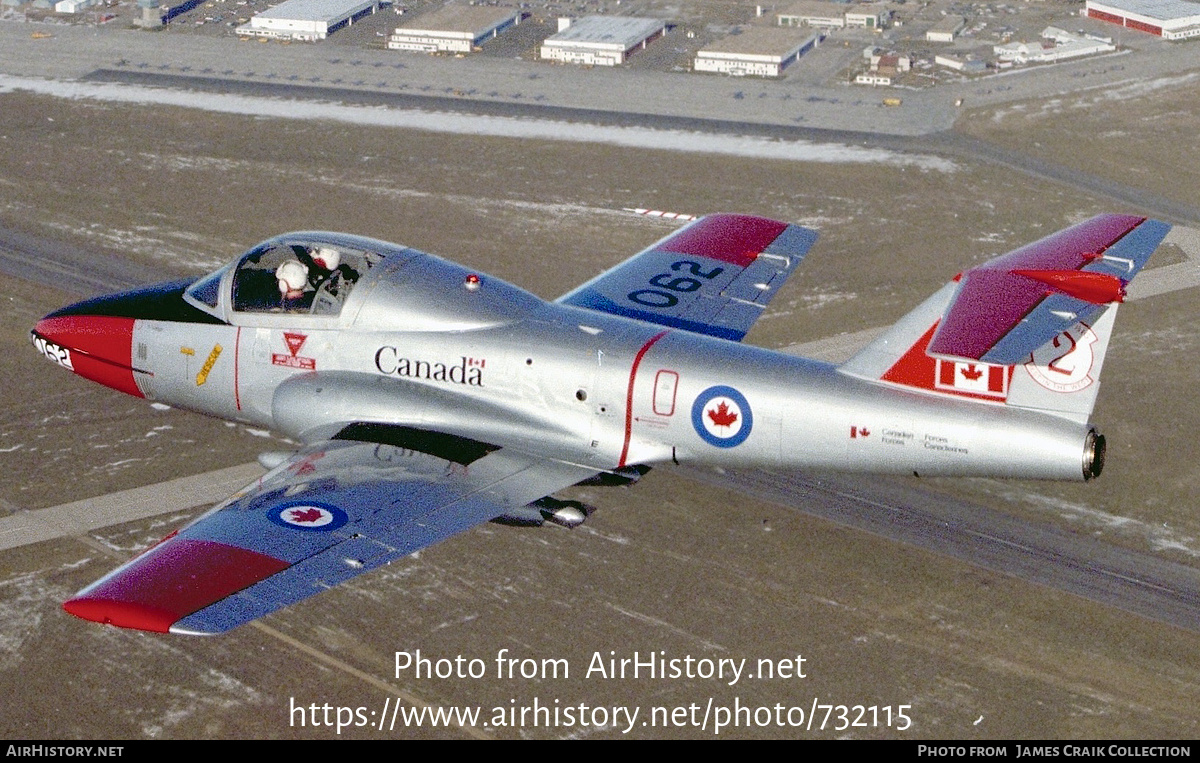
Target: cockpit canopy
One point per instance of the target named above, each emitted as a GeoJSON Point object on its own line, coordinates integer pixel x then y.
{"type": "Point", "coordinates": [309, 277]}
{"type": "Point", "coordinates": [297, 274]}
{"type": "Point", "coordinates": [320, 278]}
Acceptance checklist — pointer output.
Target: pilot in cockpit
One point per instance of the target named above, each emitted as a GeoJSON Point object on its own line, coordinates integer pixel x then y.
{"type": "Point", "coordinates": [294, 291]}
{"type": "Point", "coordinates": [314, 279]}
{"type": "Point", "coordinates": [329, 269]}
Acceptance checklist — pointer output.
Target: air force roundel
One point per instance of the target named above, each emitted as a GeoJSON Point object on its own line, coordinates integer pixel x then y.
{"type": "Point", "coordinates": [721, 416]}
{"type": "Point", "coordinates": [309, 516]}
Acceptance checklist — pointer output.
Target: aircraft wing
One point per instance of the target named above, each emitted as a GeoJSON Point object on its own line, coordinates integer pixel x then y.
{"type": "Point", "coordinates": [1009, 307]}
{"type": "Point", "coordinates": [335, 510]}
{"type": "Point", "coordinates": [714, 276]}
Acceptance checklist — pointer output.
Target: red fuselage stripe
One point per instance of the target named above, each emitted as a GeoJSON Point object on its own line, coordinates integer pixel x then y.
{"type": "Point", "coordinates": [637, 361]}
{"type": "Point", "coordinates": [237, 351]}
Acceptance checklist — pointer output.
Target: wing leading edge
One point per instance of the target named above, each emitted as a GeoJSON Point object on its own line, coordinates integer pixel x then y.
{"type": "Point", "coordinates": [714, 276]}
{"type": "Point", "coordinates": [335, 510]}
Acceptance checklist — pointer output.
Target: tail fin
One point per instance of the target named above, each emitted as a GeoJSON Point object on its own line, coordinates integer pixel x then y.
{"type": "Point", "coordinates": [1027, 329]}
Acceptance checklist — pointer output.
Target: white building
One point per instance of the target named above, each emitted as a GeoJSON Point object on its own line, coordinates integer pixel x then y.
{"type": "Point", "coordinates": [453, 29]}
{"type": "Point", "coordinates": [874, 16]}
{"type": "Point", "coordinates": [814, 13]}
{"type": "Point", "coordinates": [946, 29]}
{"type": "Point", "coordinates": [307, 19]}
{"type": "Point", "coordinates": [1055, 45]}
{"type": "Point", "coordinates": [602, 40]}
{"type": "Point", "coordinates": [757, 51]}
{"type": "Point", "coordinates": [1172, 19]}
{"type": "Point", "coordinates": [965, 65]}
{"type": "Point", "coordinates": [73, 6]}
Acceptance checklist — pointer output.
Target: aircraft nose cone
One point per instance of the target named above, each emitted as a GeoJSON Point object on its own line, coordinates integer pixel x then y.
{"type": "Point", "coordinates": [97, 347]}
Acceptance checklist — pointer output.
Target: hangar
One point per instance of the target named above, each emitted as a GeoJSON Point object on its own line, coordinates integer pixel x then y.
{"type": "Point", "coordinates": [602, 40]}
{"type": "Point", "coordinates": [761, 52]}
{"type": "Point", "coordinates": [307, 19]}
{"type": "Point", "coordinates": [1172, 19]}
{"type": "Point", "coordinates": [946, 29]}
{"type": "Point", "coordinates": [453, 29]}
{"type": "Point", "coordinates": [814, 13]}
{"type": "Point", "coordinates": [869, 16]}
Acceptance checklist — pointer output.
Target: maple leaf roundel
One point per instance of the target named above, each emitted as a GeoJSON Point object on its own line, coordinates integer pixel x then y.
{"type": "Point", "coordinates": [721, 416]}
{"type": "Point", "coordinates": [308, 516]}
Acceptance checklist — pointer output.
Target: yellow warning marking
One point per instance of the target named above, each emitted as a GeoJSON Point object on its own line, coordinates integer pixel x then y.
{"type": "Point", "coordinates": [187, 350]}
{"type": "Point", "coordinates": [208, 365]}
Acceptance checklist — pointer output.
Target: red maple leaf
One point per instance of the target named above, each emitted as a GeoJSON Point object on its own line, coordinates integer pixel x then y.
{"type": "Point", "coordinates": [307, 515]}
{"type": "Point", "coordinates": [722, 416]}
{"type": "Point", "coordinates": [971, 372]}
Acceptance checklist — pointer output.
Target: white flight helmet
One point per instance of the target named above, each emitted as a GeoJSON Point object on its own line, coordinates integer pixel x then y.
{"type": "Point", "coordinates": [327, 257]}
{"type": "Point", "coordinates": [292, 276]}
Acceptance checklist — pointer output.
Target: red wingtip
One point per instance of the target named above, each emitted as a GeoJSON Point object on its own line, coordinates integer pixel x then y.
{"type": "Point", "coordinates": [172, 580]}
{"type": "Point", "coordinates": [122, 613]}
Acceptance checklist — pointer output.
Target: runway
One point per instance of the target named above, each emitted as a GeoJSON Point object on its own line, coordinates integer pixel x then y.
{"type": "Point", "coordinates": [1139, 583]}
{"type": "Point", "coordinates": [943, 142]}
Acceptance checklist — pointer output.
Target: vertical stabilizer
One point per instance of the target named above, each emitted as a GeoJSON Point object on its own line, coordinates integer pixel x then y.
{"type": "Point", "coordinates": [1029, 329]}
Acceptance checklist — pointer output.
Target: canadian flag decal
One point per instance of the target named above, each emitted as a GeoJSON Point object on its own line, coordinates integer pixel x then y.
{"type": "Point", "coordinates": [971, 376]}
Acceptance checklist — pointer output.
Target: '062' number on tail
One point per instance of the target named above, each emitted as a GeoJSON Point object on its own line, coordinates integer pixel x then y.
{"type": "Point", "coordinates": [672, 283]}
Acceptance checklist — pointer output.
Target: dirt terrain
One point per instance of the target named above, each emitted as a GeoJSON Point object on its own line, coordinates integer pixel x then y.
{"type": "Point", "coordinates": [1134, 133]}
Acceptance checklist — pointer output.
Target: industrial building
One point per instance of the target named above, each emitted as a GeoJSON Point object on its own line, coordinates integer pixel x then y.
{"type": "Point", "coordinates": [967, 65]}
{"type": "Point", "coordinates": [946, 29]}
{"type": "Point", "coordinates": [601, 40]}
{"type": "Point", "coordinates": [1055, 45]}
{"type": "Point", "coordinates": [873, 16]}
{"type": "Point", "coordinates": [814, 13]}
{"type": "Point", "coordinates": [307, 19]}
{"type": "Point", "coordinates": [757, 51]}
{"type": "Point", "coordinates": [453, 29]}
{"type": "Point", "coordinates": [1172, 19]}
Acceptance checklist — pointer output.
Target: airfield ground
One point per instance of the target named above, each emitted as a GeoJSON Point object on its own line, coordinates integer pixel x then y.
{"type": "Point", "coordinates": [667, 565]}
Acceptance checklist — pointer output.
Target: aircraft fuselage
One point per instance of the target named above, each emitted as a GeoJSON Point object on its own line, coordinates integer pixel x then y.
{"type": "Point", "coordinates": [598, 390]}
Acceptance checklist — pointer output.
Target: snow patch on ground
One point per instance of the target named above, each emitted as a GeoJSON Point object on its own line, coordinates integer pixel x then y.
{"type": "Point", "coordinates": [469, 124]}
{"type": "Point", "coordinates": [1160, 537]}
{"type": "Point", "coordinates": [22, 600]}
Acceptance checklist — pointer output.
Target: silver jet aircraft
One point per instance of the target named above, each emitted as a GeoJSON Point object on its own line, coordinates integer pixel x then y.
{"type": "Point", "coordinates": [432, 398]}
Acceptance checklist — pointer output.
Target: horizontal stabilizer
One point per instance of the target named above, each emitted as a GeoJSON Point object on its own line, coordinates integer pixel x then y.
{"type": "Point", "coordinates": [713, 276]}
{"type": "Point", "coordinates": [1006, 309]}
